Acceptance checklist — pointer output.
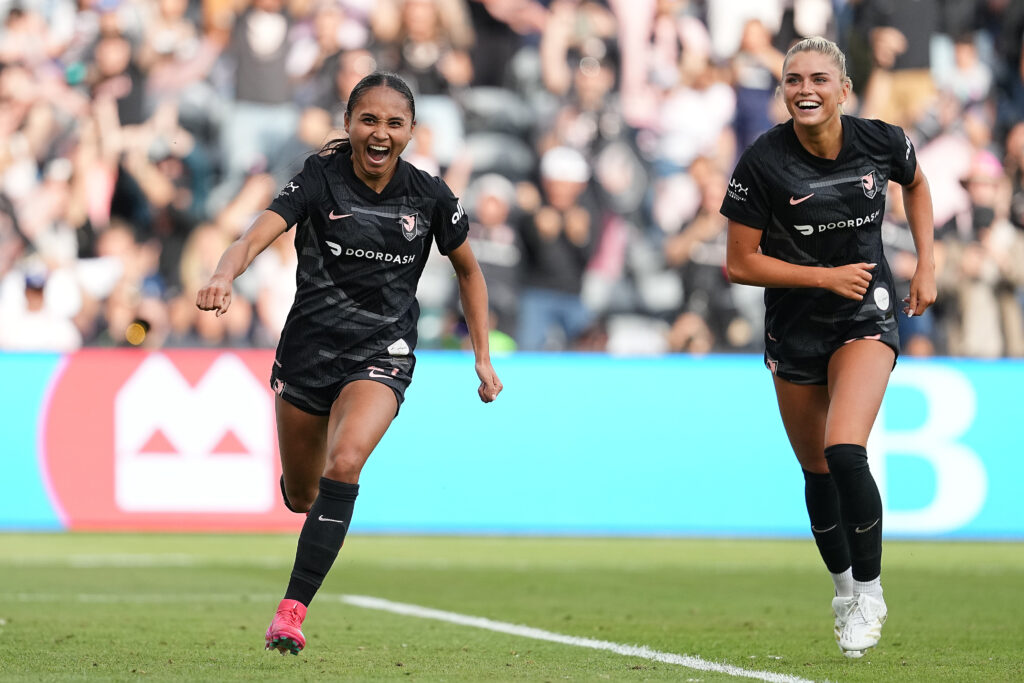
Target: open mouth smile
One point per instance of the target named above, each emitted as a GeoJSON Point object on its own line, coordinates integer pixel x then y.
{"type": "Point", "coordinates": [378, 153]}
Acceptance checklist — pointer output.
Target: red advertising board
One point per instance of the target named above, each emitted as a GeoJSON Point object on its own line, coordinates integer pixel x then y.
{"type": "Point", "coordinates": [179, 440]}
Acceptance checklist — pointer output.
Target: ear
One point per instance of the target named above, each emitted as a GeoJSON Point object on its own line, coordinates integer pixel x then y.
{"type": "Point", "coordinates": [847, 88]}
{"type": "Point", "coordinates": [347, 117]}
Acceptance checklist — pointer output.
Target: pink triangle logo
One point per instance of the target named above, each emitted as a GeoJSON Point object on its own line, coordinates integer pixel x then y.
{"type": "Point", "coordinates": [157, 443]}
{"type": "Point", "coordinates": [229, 445]}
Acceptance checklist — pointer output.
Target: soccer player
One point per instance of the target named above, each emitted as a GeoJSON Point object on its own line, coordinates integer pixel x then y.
{"type": "Point", "coordinates": [805, 206]}
{"type": "Point", "coordinates": [366, 219]}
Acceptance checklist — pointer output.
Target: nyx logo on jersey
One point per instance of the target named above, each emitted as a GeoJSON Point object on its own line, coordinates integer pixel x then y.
{"type": "Point", "coordinates": [737, 191]}
{"type": "Point", "coordinates": [408, 224]}
{"type": "Point", "coordinates": [288, 189]}
{"type": "Point", "coordinates": [869, 185]}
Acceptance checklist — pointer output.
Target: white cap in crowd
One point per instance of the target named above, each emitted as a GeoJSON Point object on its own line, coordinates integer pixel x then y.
{"type": "Point", "coordinates": [564, 163]}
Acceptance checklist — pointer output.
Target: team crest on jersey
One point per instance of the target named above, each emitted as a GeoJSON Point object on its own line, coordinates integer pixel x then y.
{"type": "Point", "coordinates": [869, 185]}
{"type": "Point", "coordinates": [408, 226]}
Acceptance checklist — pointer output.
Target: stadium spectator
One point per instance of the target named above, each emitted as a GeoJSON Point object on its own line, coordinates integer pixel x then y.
{"type": "Point", "coordinates": [558, 240]}
{"type": "Point", "coordinates": [756, 72]}
{"type": "Point", "coordinates": [262, 113]}
{"type": "Point", "coordinates": [34, 326]}
{"type": "Point", "coordinates": [900, 87]}
{"type": "Point", "coordinates": [496, 244]}
{"type": "Point", "coordinates": [345, 357]}
{"type": "Point", "coordinates": [830, 332]}
{"type": "Point", "coordinates": [501, 28]}
{"type": "Point", "coordinates": [989, 267]}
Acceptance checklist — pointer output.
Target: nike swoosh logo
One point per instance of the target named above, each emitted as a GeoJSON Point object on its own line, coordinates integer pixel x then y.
{"type": "Point", "coordinates": [379, 375]}
{"type": "Point", "coordinates": [821, 531]}
{"type": "Point", "coordinates": [335, 216]}
{"type": "Point", "coordinates": [793, 201]}
{"type": "Point", "coordinates": [328, 519]}
{"type": "Point", "coordinates": [869, 527]}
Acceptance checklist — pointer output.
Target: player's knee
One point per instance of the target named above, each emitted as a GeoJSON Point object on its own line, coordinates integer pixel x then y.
{"type": "Point", "coordinates": [345, 463]}
{"type": "Point", "coordinates": [300, 498]}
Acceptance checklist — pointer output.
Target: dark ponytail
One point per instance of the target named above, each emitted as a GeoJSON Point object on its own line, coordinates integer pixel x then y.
{"type": "Point", "coordinates": [376, 79]}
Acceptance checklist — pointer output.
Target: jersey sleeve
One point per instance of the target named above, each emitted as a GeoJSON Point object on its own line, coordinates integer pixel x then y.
{"type": "Point", "coordinates": [449, 223]}
{"type": "Point", "coordinates": [293, 201]}
{"type": "Point", "coordinates": [746, 200]}
{"type": "Point", "coordinates": [904, 156]}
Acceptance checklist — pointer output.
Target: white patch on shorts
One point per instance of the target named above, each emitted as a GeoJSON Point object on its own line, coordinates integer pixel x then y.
{"type": "Point", "coordinates": [399, 348]}
{"type": "Point", "coordinates": [882, 298]}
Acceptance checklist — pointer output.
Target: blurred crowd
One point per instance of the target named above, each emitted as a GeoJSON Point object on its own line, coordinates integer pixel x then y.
{"type": "Point", "coordinates": [590, 140]}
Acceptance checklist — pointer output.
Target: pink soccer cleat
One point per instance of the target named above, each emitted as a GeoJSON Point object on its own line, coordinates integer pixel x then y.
{"type": "Point", "coordinates": [285, 632]}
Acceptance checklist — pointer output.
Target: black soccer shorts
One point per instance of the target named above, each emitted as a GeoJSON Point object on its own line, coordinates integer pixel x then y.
{"type": "Point", "coordinates": [394, 371]}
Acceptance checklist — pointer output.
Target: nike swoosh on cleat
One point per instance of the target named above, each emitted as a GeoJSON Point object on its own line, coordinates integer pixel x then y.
{"type": "Point", "coordinates": [793, 201]}
{"type": "Point", "coordinates": [333, 216]}
{"type": "Point", "coordinates": [869, 527]}
{"type": "Point", "coordinates": [328, 519]}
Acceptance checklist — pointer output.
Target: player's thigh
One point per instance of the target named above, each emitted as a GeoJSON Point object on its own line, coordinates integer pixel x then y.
{"type": "Point", "coordinates": [858, 374]}
{"type": "Point", "coordinates": [359, 418]}
{"type": "Point", "coordinates": [804, 410]}
{"type": "Point", "coordinates": [302, 440]}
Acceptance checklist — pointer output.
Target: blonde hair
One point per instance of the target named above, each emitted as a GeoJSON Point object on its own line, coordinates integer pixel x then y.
{"type": "Point", "coordinates": [822, 46]}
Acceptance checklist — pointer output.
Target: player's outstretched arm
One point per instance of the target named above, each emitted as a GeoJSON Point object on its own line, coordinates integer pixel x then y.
{"type": "Point", "coordinates": [917, 198]}
{"type": "Point", "coordinates": [215, 295]}
{"type": "Point", "coordinates": [473, 293]}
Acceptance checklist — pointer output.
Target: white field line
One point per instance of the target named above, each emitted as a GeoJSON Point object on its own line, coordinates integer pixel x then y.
{"type": "Point", "coordinates": [688, 661]}
{"type": "Point", "coordinates": [405, 609]}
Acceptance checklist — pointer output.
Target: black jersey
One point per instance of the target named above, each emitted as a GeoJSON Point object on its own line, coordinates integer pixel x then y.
{"type": "Point", "coordinates": [819, 212]}
{"type": "Point", "coordinates": [360, 257]}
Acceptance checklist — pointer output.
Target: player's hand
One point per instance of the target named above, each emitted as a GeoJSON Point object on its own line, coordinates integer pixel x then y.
{"type": "Point", "coordinates": [215, 295]}
{"type": "Point", "coordinates": [922, 292]}
{"type": "Point", "coordinates": [490, 385]}
{"type": "Point", "coordinates": [851, 281]}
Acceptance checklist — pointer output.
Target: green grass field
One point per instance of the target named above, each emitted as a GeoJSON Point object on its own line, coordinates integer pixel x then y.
{"type": "Point", "coordinates": [194, 607]}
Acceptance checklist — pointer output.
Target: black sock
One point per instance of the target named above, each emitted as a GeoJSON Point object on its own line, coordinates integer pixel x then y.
{"type": "Point", "coordinates": [321, 538]}
{"type": "Point", "coordinates": [861, 507]}
{"type": "Point", "coordinates": [826, 523]}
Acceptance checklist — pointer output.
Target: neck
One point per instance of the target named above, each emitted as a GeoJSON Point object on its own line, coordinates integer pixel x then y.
{"type": "Point", "coordinates": [375, 184]}
{"type": "Point", "coordinates": [824, 140]}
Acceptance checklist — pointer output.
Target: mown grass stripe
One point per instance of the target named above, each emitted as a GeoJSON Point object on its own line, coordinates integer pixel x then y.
{"type": "Point", "coordinates": [688, 661]}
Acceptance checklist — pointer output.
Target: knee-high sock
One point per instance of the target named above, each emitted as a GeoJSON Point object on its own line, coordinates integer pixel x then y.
{"type": "Point", "coordinates": [826, 522]}
{"type": "Point", "coordinates": [321, 538]}
{"type": "Point", "coordinates": [861, 507]}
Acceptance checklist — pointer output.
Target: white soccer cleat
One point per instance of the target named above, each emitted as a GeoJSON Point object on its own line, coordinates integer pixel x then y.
{"type": "Point", "coordinates": [841, 608]}
{"type": "Point", "coordinates": [863, 627]}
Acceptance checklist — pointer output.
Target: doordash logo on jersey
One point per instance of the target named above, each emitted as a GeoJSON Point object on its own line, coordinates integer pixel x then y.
{"type": "Point", "coordinates": [169, 440]}
{"type": "Point", "coordinates": [837, 225]}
